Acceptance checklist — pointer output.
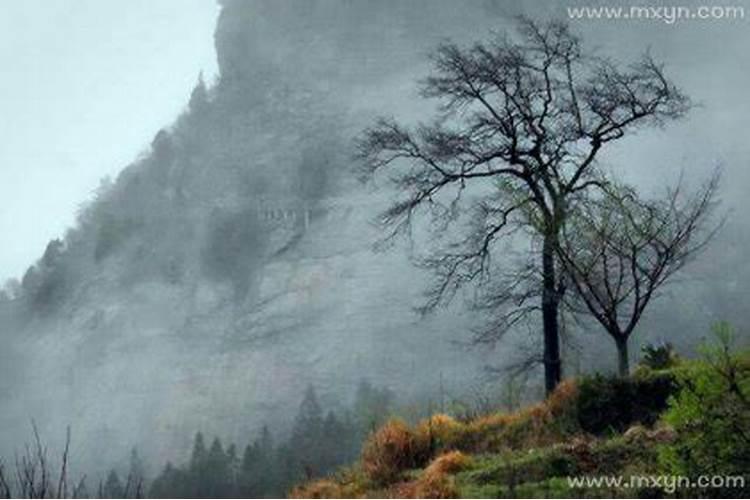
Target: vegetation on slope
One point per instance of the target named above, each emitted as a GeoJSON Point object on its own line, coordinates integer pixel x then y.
{"type": "Point", "coordinates": [671, 418]}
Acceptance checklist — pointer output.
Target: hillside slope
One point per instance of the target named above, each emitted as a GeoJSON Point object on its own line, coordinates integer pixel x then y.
{"type": "Point", "coordinates": [656, 434]}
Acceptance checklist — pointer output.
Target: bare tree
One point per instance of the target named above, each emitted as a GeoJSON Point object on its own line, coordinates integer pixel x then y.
{"type": "Point", "coordinates": [520, 127]}
{"type": "Point", "coordinates": [33, 476]}
{"type": "Point", "coordinates": [619, 250]}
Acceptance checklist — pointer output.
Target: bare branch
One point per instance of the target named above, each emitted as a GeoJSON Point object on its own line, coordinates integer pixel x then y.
{"type": "Point", "coordinates": [619, 249]}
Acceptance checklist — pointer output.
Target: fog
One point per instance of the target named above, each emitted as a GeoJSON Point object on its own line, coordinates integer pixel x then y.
{"type": "Point", "coordinates": [227, 263]}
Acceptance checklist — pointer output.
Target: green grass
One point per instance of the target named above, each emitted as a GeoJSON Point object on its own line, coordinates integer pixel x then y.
{"type": "Point", "coordinates": [543, 472]}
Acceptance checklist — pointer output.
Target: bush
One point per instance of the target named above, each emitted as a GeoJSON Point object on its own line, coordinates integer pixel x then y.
{"type": "Point", "coordinates": [711, 415]}
{"type": "Point", "coordinates": [437, 480]}
{"type": "Point", "coordinates": [440, 431]}
{"type": "Point", "coordinates": [391, 450]}
{"type": "Point", "coordinates": [610, 403]}
{"type": "Point", "coordinates": [562, 405]}
{"type": "Point", "coordinates": [321, 488]}
{"type": "Point", "coordinates": [658, 356]}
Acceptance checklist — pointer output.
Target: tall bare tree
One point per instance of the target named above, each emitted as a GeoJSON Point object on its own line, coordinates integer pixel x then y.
{"type": "Point", "coordinates": [619, 250]}
{"type": "Point", "coordinates": [521, 124]}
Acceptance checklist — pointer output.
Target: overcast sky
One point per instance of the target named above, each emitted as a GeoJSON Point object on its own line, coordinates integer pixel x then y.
{"type": "Point", "coordinates": [85, 85]}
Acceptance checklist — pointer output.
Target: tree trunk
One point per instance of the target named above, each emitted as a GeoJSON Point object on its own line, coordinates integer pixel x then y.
{"type": "Point", "coordinates": [623, 362]}
{"type": "Point", "coordinates": [550, 306]}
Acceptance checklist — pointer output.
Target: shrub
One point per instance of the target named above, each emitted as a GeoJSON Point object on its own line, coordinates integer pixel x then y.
{"type": "Point", "coordinates": [322, 488]}
{"type": "Point", "coordinates": [347, 482]}
{"type": "Point", "coordinates": [658, 356]}
{"type": "Point", "coordinates": [440, 431]}
{"type": "Point", "coordinates": [489, 424]}
{"type": "Point", "coordinates": [392, 449]}
{"type": "Point", "coordinates": [435, 486]}
{"type": "Point", "coordinates": [609, 403]}
{"type": "Point", "coordinates": [711, 416]}
{"type": "Point", "coordinates": [437, 480]}
{"type": "Point", "coordinates": [449, 463]}
{"type": "Point", "coordinates": [562, 405]}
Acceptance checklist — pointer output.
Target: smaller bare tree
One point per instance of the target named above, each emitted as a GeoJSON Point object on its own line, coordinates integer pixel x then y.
{"type": "Point", "coordinates": [620, 249]}
{"type": "Point", "coordinates": [33, 475]}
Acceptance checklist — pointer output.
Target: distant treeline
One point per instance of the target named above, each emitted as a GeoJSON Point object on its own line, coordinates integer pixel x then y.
{"type": "Point", "coordinates": [320, 441]}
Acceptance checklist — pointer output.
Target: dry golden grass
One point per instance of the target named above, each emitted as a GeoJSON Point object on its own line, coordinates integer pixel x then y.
{"type": "Point", "coordinates": [449, 463]}
{"type": "Point", "coordinates": [437, 480]}
{"type": "Point", "coordinates": [440, 431]}
{"type": "Point", "coordinates": [538, 424]}
{"type": "Point", "coordinates": [321, 488]}
{"type": "Point", "coordinates": [562, 398]}
{"type": "Point", "coordinates": [346, 483]}
{"type": "Point", "coordinates": [436, 486]}
{"type": "Point", "coordinates": [391, 450]}
{"type": "Point", "coordinates": [396, 448]}
{"type": "Point", "coordinates": [490, 423]}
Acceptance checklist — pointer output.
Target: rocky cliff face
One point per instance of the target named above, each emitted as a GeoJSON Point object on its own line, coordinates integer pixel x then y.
{"type": "Point", "coordinates": [231, 265]}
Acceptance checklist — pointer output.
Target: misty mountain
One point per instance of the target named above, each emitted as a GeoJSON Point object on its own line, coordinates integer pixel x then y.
{"type": "Point", "coordinates": [231, 264]}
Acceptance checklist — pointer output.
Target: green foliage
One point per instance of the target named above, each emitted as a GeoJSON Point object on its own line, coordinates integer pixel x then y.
{"type": "Point", "coordinates": [658, 356]}
{"type": "Point", "coordinates": [610, 403]}
{"type": "Point", "coordinates": [711, 415]}
{"type": "Point", "coordinates": [514, 468]}
{"type": "Point", "coordinates": [543, 473]}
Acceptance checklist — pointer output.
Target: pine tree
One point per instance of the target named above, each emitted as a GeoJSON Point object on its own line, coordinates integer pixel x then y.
{"type": "Point", "coordinates": [198, 457]}
{"type": "Point", "coordinates": [309, 421]}
{"type": "Point", "coordinates": [171, 483]}
{"type": "Point", "coordinates": [259, 470]}
{"type": "Point", "coordinates": [333, 443]}
{"type": "Point", "coordinates": [113, 486]}
{"type": "Point", "coordinates": [199, 96]}
{"type": "Point", "coordinates": [306, 436]}
{"type": "Point", "coordinates": [215, 477]}
{"type": "Point", "coordinates": [136, 475]}
{"type": "Point", "coordinates": [233, 469]}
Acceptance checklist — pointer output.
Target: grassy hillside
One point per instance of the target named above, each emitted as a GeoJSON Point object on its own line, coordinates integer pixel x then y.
{"type": "Point", "coordinates": [673, 419]}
